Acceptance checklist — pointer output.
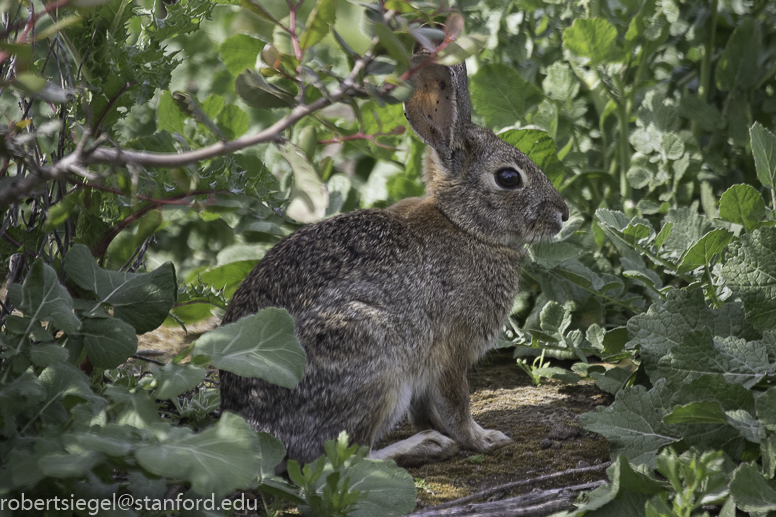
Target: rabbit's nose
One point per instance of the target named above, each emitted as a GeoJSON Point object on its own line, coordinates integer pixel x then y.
{"type": "Point", "coordinates": [564, 214]}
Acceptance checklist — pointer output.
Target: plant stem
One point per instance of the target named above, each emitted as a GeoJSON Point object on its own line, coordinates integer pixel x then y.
{"type": "Point", "coordinates": [708, 50]}
{"type": "Point", "coordinates": [712, 288]}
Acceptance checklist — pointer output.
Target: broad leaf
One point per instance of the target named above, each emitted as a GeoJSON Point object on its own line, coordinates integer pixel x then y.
{"type": "Point", "coordinates": [141, 299]}
{"type": "Point", "coordinates": [594, 38]}
{"type": "Point", "coordinates": [540, 148]}
{"type": "Point", "coordinates": [43, 298]}
{"type": "Point", "coordinates": [261, 345]}
{"type": "Point", "coordinates": [764, 151]}
{"type": "Point", "coordinates": [318, 23]}
{"type": "Point", "coordinates": [750, 272]}
{"type": "Point", "coordinates": [742, 204]}
{"type": "Point", "coordinates": [219, 460]}
{"type": "Point", "coordinates": [501, 96]}
{"type": "Point", "coordinates": [173, 379]}
{"type": "Point", "coordinates": [633, 424]}
{"type": "Point", "coordinates": [240, 52]}
{"type": "Point", "coordinates": [738, 65]}
{"type": "Point", "coordinates": [703, 252]}
{"type": "Point", "coordinates": [750, 490]}
{"type": "Point", "coordinates": [109, 342]}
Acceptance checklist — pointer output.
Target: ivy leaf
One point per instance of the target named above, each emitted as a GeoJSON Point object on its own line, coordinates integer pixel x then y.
{"type": "Point", "coordinates": [109, 342]}
{"type": "Point", "coordinates": [261, 345]}
{"type": "Point", "coordinates": [750, 272]}
{"type": "Point", "coordinates": [218, 460]}
{"type": "Point", "coordinates": [633, 424]}
{"type": "Point", "coordinates": [594, 38]}
{"type": "Point", "coordinates": [317, 26]}
{"type": "Point", "coordinates": [764, 151]}
{"type": "Point", "coordinates": [240, 52]}
{"type": "Point", "coordinates": [703, 252]}
{"type": "Point", "coordinates": [172, 379]}
{"type": "Point", "coordinates": [540, 148]}
{"type": "Point", "coordinates": [501, 96]}
{"type": "Point", "coordinates": [43, 298]}
{"type": "Point", "coordinates": [742, 204]}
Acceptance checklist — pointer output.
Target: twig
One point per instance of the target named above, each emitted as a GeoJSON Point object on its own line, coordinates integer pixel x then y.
{"type": "Point", "coordinates": [525, 482]}
{"type": "Point", "coordinates": [148, 359]}
{"type": "Point", "coordinates": [535, 504]}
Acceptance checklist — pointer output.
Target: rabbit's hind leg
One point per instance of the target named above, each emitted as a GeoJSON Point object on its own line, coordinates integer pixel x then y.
{"type": "Point", "coordinates": [425, 447]}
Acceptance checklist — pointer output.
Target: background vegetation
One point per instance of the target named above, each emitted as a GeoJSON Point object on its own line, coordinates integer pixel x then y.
{"type": "Point", "coordinates": [153, 151]}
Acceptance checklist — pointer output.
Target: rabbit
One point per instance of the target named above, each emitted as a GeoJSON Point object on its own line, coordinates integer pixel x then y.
{"type": "Point", "coordinates": [393, 306]}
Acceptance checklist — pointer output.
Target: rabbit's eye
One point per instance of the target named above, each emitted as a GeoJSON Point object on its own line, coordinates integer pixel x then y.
{"type": "Point", "coordinates": [509, 178]}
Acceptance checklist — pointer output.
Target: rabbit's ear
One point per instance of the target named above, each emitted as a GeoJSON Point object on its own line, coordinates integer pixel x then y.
{"type": "Point", "coordinates": [439, 107]}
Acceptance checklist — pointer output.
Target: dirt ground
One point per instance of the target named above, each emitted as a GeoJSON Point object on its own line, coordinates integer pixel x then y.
{"type": "Point", "coordinates": [543, 422]}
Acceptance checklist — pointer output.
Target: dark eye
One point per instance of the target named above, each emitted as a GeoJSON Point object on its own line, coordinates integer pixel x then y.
{"type": "Point", "coordinates": [509, 178]}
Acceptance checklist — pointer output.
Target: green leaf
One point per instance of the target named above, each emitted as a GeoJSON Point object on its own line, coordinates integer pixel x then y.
{"type": "Point", "coordinates": [240, 52]}
{"type": "Point", "coordinates": [540, 148]}
{"type": "Point", "coordinates": [392, 43]}
{"type": "Point", "coordinates": [317, 26]}
{"type": "Point", "coordinates": [705, 412]}
{"type": "Point", "coordinates": [633, 424]}
{"type": "Point", "coordinates": [750, 272]}
{"type": "Point", "coordinates": [750, 490]}
{"type": "Point", "coordinates": [764, 151]}
{"type": "Point", "coordinates": [308, 196]}
{"type": "Point", "coordinates": [259, 94]}
{"type": "Point", "coordinates": [766, 409]}
{"type": "Point", "coordinates": [594, 38]}
{"type": "Point", "coordinates": [463, 47]}
{"type": "Point", "coordinates": [738, 65]}
{"type": "Point", "coordinates": [665, 232]}
{"type": "Point", "coordinates": [109, 342]}
{"type": "Point", "coordinates": [217, 461]}
{"type": "Point", "coordinates": [62, 380]}
{"type": "Point", "coordinates": [43, 355]}
{"type": "Point", "coordinates": [555, 318]}
{"type": "Point", "coordinates": [703, 252]}
{"type": "Point", "coordinates": [173, 379]}
{"type": "Point", "coordinates": [261, 345]}
{"type": "Point", "coordinates": [141, 299]}
{"type": "Point", "coordinates": [64, 465]}
{"type": "Point", "coordinates": [387, 489]}
{"type": "Point", "coordinates": [742, 204]}
{"type": "Point", "coordinates": [43, 298]}
{"type": "Point", "coordinates": [501, 96]}
{"type": "Point", "coordinates": [698, 111]}
{"type": "Point", "coordinates": [613, 380]}
{"type": "Point", "coordinates": [233, 121]}
{"type": "Point", "coordinates": [110, 439]}
{"type": "Point", "coordinates": [168, 116]}
{"type": "Point", "coordinates": [560, 84]}
{"type": "Point", "coordinates": [739, 361]}
{"type": "Point", "coordinates": [663, 327]}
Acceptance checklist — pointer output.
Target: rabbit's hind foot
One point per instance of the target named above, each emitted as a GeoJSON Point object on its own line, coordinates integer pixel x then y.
{"type": "Point", "coordinates": [425, 447]}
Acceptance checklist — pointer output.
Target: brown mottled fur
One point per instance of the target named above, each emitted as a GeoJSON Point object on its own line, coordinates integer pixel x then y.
{"type": "Point", "coordinates": [393, 306]}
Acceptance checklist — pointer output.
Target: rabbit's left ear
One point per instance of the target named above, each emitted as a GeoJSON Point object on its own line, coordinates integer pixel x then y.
{"type": "Point", "coordinates": [439, 108]}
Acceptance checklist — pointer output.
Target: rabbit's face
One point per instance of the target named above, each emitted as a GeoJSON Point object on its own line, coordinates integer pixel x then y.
{"type": "Point", "coordinates": [494, 191]}
{"type": "Point", "coordinates": [482, 184]}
